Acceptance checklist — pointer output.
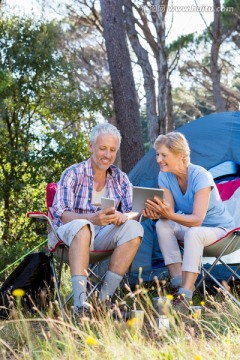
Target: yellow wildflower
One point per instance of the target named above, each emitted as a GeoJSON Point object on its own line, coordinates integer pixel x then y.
{"type": "Point", "coordinates": [195, 315]}
{"type": "Point", "coordinates": [91, 340]}
{"type": "Point", "coordinates": [190, 302]}
{"type": "Point", "coordinates": [197, 357]}
{"type": "Point", "coordinates": [132, 322]}
{"type": "Point", "coordinates": [169, 297]}
{"type": "Point", "coordinates": [18, 292]}
{"type": "Point", "coordinates": [202, 303]}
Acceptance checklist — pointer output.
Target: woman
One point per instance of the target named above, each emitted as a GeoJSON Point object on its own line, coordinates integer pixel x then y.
{"type": "Point", "coordinates": [192, 211]}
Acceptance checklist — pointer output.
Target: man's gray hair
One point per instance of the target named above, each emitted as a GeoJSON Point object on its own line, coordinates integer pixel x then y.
{"type": "Point", "coordinates": [105, 128]}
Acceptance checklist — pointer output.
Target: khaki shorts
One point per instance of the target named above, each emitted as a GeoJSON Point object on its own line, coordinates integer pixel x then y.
{"type": "Point", "coordinates": [103, 237]}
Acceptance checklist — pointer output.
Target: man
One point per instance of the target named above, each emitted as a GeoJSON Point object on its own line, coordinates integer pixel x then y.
{"type": "Point", "coordinates": [83, 225]}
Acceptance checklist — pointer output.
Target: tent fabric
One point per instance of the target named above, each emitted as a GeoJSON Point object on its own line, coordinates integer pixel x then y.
{"type": "Point", "coordinates": [213, 139]}
{"type": "Point", "coordinates": [148, 261]}
{"type": "Point", "coordinates": [227, 189]}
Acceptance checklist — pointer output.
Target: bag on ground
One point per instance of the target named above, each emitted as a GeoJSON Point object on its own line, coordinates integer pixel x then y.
{"type": "Point", "coordinates": [33, 276]}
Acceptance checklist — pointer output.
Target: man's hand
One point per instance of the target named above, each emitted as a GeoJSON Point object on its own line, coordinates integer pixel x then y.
{"type": "Point", "coordinates": [121, 218]}
{"type": "Point", "coordinates": [101, 218]}
{"type": "Point", "coordinates": [104, 217]}
{"type": "Point", "coordinates": [109, 216]}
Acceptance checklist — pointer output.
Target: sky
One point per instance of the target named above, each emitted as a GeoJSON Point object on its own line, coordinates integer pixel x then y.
{"type": "Point", "coordinates": [186, 18]}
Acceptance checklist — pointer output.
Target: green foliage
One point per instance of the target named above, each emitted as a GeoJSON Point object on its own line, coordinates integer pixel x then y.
{"type": "Point", "coordinates": [44, 123]}
{"type": "Point", "coordinates": [230, 23]}
{"type": "Point", "coordinates": [190, 104]}
{"type": "Point", "coordinates": [181, 42]}
{"type": "Point", "coordinates": [230, 15]}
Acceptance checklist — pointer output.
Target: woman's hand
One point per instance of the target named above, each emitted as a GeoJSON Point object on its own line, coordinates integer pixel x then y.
{"type": "Point", "coordinates": [150, 214]}
{"type": "Point", "coordinates": [160, 207]}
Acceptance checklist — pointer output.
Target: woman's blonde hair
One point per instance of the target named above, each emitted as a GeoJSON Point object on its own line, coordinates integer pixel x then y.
{"type": "Point", "coordinates": [176, 143]}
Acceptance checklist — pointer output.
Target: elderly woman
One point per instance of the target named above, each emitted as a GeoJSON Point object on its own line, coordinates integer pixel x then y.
{"type": "Point", "coordinates": [191, 212]}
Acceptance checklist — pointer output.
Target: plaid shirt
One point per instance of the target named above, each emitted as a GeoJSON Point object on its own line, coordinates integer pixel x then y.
{"type": "Point", "coordinates": [74, 190]}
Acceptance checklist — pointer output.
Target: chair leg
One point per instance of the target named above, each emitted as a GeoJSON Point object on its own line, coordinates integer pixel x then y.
{"type": "Point", "coordinates": [57, 283]}
{"type": "Point", "coordinates": [234, 272]}
{"type": "Point", "coordinates": [203, 282]}
{"type": "Point", "coordinates": [222, 287]}
{"type": "Point", "coordinates": [216, 260]}
{"type": "Point", "coordinates": [99, 279]}
{"type": "Point", "coordinates": [127, 275]}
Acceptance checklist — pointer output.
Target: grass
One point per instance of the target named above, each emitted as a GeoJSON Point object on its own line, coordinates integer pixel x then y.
{"type": "Point", "coordinates": [45, 335]}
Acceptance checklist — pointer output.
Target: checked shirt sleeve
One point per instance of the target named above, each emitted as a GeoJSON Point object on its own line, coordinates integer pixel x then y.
{"type": "Point", "coordinates": [126, 202]}
{"type": "Point", "coordinates": [65, 198]}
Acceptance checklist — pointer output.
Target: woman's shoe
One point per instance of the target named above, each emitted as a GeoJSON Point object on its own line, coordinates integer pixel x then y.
{"type": "Point", "coordinates": [181, 304]}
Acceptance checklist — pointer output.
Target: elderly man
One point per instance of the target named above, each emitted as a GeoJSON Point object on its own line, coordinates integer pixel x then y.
{"type": "Point", "coordinates": [83, 225]}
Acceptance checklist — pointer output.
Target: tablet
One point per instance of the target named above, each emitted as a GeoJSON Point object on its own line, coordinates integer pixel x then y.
{"type": "Point", "coordinates": [141, 194]}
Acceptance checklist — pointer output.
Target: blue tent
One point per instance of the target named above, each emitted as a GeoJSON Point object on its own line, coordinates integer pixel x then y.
{"type": "Point", "coordinates": [214, 141]}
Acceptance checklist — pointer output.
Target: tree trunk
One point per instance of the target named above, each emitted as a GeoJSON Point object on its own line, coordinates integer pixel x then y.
{"type": "Point", "coordinates": [164, 88]}
{"type": "Point", "coordinates": [218, 99]}
{"type": "Point", "coordinates": [124, 93]}
{"type": "Point", "coordinates": [148, 77]}
{"type": "Point", "coordinates": [170, 124]}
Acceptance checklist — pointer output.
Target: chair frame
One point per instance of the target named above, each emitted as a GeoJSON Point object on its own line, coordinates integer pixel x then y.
{"type": "Point", "coordinates": [227, 244]}
{"type": "Point", "coordinates": [218, 258]}
{"type": "Point", "coordinates": [95, 258]}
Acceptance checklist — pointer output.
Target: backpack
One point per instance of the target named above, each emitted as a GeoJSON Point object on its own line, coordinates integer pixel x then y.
{"type": "Point", "coordinates": [34, 276]}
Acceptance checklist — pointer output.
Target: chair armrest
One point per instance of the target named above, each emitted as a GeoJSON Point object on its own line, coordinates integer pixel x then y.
{"type": "Point", "coordinates": [42, 216]}
{"type": "Point", "coordinates": [38, 215]}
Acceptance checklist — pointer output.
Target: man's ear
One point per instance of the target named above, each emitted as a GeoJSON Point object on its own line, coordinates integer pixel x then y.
{"type": "Point", "coordinates": [90, 146]}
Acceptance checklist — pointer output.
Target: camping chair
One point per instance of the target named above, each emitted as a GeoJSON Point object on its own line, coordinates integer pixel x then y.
{"type": "Point", "coordinates": [230, 243]}
{"type": "Point", "coordinates": [61, 252]}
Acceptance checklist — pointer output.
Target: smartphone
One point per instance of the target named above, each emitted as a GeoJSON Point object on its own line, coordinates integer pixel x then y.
{"type": "Point", "coordinates": [107, 202]}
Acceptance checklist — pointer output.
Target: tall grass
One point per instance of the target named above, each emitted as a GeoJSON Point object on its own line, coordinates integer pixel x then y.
{"type": "Point", "coordinates": [37, 335]}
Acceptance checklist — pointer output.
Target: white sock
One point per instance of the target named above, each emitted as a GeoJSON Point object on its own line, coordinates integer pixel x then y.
{"type": "Point", "coordinates": [79, 285]}
{"type": "Point", "coordinates": [110, 284]}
